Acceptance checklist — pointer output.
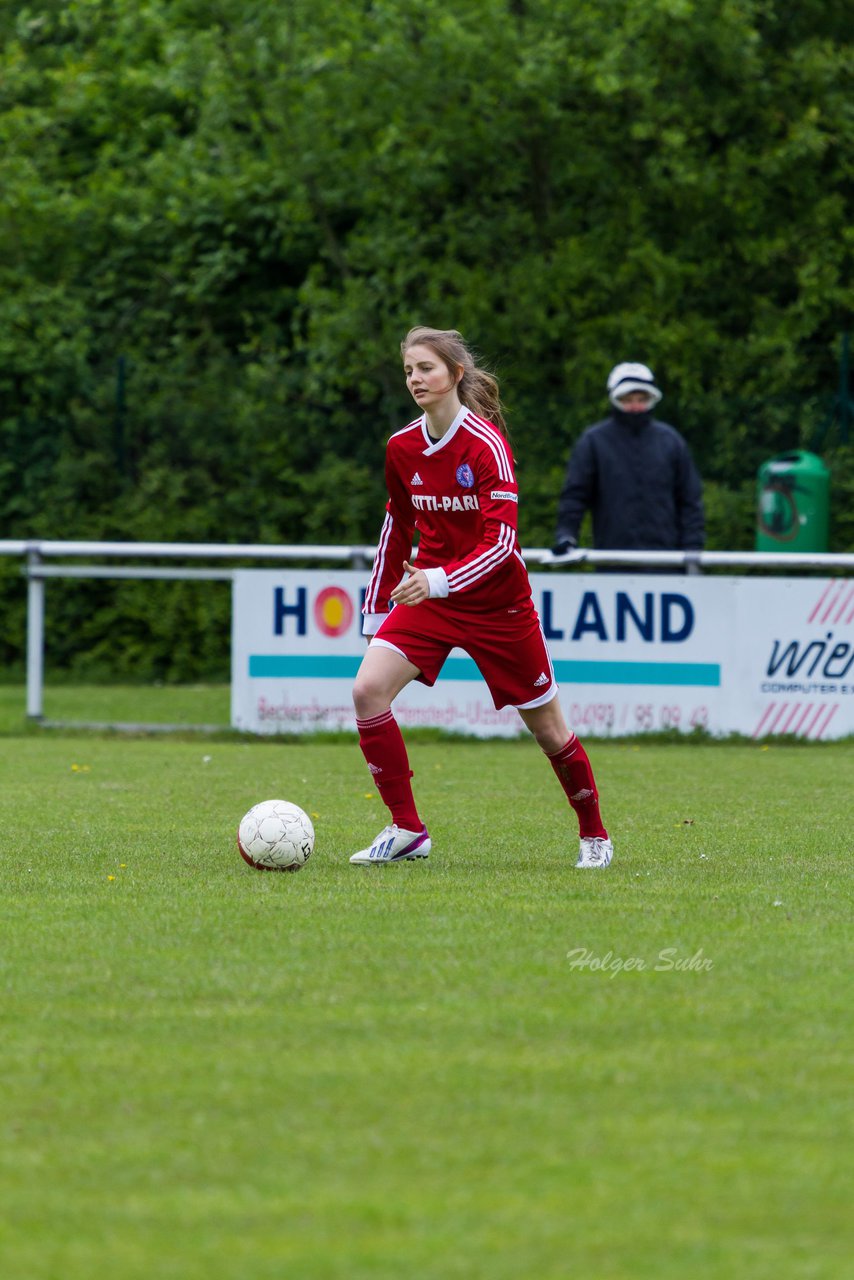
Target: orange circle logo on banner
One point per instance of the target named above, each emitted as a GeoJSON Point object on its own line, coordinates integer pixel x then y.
{"type": "Point", "coordinates": [333, 611]}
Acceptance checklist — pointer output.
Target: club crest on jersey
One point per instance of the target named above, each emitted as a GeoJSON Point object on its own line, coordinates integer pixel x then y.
{"type": "Point", "coordinates": [465, 476]}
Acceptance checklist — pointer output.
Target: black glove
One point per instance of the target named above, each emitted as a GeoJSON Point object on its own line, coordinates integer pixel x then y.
{"type": "Point", "coordinates": [561, 547]}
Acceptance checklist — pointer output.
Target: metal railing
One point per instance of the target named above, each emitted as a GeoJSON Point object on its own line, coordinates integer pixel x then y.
{"type": "Point", "coordinates": [36, 552]}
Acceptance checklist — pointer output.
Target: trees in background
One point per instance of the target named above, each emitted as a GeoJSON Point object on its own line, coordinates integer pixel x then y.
{"type": "Point", "coordinates": [218, 219]}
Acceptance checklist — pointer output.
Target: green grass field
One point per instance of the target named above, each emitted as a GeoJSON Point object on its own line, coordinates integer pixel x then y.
{"type": "Point", "coordinates": [488, 1065]}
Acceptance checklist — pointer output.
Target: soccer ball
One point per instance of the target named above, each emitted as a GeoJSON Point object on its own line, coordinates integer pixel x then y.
{"type": "Point", "coordinates": [276, 835]}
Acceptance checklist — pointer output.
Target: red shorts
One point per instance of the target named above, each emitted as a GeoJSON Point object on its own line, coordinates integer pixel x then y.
{"type": "Point", "coordinates": [507, 645]}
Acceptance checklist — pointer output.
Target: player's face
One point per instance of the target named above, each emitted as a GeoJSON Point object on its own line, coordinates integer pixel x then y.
{"type": "Point", "coordinates": [429, 380]}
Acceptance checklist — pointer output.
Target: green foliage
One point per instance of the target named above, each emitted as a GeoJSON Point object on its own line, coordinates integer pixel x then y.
{"type": "Point", "coordinates": [841, 462]}
{"type": "Point", "coordinates": [730, 515]}
{"type": "Point", "coordinates": [218, 219]}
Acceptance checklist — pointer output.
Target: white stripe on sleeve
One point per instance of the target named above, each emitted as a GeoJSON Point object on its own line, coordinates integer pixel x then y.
{"type": "Point", "coordinates": [496, 442]}
{"type": "Point", "coordinates": [486, 562]}
{"type": "Point", "coordinates": [379, 564]}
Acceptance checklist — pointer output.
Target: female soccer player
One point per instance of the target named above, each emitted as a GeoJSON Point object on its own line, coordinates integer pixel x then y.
{"type": "Point", "coordinates": [450, 476]}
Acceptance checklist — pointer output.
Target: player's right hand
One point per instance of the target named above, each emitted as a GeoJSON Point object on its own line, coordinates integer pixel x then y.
{"type": "Point", "coordinates": [411, 590]}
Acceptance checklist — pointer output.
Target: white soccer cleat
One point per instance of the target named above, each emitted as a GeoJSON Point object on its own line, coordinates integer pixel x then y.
{"type": "Point", "coordinates": [394, 844]}
{"type": "Point", "coordinates": [595, 851]}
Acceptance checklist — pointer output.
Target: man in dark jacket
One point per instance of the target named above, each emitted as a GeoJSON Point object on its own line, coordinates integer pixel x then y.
{"type": "Point", "coordinates": [635, 474]}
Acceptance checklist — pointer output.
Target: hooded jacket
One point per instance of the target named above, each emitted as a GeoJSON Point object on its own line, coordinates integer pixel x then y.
{"type": "Point", "coordinates": [637, 477]}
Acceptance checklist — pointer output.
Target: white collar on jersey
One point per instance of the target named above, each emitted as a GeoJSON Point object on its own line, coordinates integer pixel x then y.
{"type": "Point", "coordinates": [433, 445]}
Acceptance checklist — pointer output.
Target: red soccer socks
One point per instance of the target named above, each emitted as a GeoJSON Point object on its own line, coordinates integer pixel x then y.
{"type": "Point", "coordinates": [385, 753]}
{"type": "Point", "coordinates": [576, 777]}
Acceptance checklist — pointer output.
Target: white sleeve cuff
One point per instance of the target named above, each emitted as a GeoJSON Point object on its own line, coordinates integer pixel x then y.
{"type": "Point", "coordinates": [437, 581]}
{"type": "Point", "coordinates": [371, 623]}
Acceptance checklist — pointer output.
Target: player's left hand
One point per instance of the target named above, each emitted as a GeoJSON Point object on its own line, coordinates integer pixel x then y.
{"type": "Point", "coordinates": [414, 589]}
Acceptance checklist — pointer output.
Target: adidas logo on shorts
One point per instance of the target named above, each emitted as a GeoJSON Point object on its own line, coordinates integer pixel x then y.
{"type": "Point", "coordinates": [541, 679]}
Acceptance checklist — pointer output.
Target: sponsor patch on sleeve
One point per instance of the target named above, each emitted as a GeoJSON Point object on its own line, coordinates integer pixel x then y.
{"type": "Point", "coordinates": [505, 495]}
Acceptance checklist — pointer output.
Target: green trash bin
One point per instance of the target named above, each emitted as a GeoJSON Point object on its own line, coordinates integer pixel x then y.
{"type": "Point", "coordinates": [793, 503]}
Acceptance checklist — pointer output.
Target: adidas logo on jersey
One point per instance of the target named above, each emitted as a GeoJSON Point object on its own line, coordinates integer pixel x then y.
{"type": "Point", "coordinates": [541, 679]}
{"type": "Point", "coordinates": [416, 479]}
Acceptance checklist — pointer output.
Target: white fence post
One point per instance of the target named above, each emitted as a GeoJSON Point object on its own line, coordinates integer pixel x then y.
{"type": "Point", "coordinates": [35, 636]}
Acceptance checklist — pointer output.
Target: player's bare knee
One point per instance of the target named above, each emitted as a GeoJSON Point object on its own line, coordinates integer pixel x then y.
{"type": "Point", "coordinates": [548, 740]}
{"type": "Point", "coordinates": [369, 697]}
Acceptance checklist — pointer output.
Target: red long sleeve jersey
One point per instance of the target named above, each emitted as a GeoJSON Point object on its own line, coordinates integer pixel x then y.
{"type": "Point", "coordinates": [460, 494]}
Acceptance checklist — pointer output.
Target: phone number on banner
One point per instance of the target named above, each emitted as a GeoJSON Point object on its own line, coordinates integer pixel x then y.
{"type": "Point", "coordinates": [636, 717]}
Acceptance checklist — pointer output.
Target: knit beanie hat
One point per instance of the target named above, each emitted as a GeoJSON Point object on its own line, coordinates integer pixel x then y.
{"type": "Point", "coordinates": [624, 378]}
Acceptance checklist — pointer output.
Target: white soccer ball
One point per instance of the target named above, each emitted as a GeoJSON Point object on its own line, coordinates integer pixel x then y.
{"type": "Point", "coordinates": [276, 835]}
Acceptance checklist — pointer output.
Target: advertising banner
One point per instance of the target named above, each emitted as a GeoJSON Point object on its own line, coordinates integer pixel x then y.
{"type": "Point", "coordinates": [632, 653]}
